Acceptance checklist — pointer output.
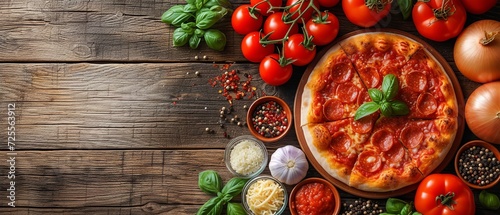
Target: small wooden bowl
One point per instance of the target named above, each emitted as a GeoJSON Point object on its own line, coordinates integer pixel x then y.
{"type": "Point", "coordinates": [467, 146]}
{"type": "Point", "coordinates": [336, 196]}
{"type": "Point", "coordinates": [257, 103]}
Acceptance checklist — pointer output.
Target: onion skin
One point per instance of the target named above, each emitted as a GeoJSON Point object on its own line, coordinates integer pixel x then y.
{"type": "Point", "coordinates": [477, 62]}
{"type": "Point", "coordinates": [482, 112]}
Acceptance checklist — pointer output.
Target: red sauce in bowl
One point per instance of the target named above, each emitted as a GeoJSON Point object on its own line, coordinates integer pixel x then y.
{"type": "Point", "coordinates": [314, 198]}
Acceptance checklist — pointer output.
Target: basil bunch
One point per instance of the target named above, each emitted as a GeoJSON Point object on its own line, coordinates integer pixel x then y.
{"type": "Point", "coordinates": [489, 200]}
{"type": "Point", "coordinates": [194, 22]}
{"type": "Point", "coordinates": [395, 206]}
{"type": "Point", "coordinates": [210, 182]}
{"type": "Point", "coordinates": [383, 100]}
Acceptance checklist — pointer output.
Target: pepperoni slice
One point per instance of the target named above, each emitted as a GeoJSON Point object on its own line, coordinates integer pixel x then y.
{"type": "Point", "coordinates": [363, 125]}
{"type": "Point", "coordinates": [383, 139]}
{"type": "Point", "coordinates": [411, 136]}
{"type": "Point", "coordinates": [341, 142]}
{"type": "Point", "coordinates": [370, 76]}
{"type": "Point", "coordinates": [416, 81]}
{"type": "Point", "coordinates": [363, 97]}
{"type": "Point", "coordinates": [396, 154]}
{"type": "Point", "coordinates": [369, 161]}
{"type": "Point", "coordinates": [426, 104]}
{"type": "Point", "coordinates": [321, 136]}
{"type": "Point", "coordinates": [333, 109]}
{"type": "Point", "coordinates": [341, 72]}
{"type": "Point", "coordinates": [347, 92]}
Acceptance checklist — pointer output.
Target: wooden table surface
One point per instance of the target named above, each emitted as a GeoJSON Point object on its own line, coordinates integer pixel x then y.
{"type": "Point", "coordinates": [110, 118]}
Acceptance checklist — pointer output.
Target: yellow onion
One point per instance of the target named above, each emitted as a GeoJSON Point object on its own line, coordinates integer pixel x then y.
{"type": "Point", "coordinates": [482, 112]}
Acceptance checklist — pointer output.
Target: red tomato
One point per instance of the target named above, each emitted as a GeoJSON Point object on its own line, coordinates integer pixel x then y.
{"type": "Point", "coordinates": [264, 6]}
{"type": "Point", "coordinates": [323, 29]}
{"type": "Point", "coordinates": [478, 7]}
{"type": "Point", "coordinates": [302, 8]}
{"type": "Point", "coordinates": [245, 21]}
{"type": "Point", "coordinates": [274, 24]}
{"type": "Point", "coordinates": [443, 27]}
{"type": "Point", "coordinates": [272, 72]}
{"type": "Point", "coordinates": [300, 49]}
{"type": "Point", "coordinates": [360, 14]}
{"type": "Point", "coordinates": [437, 187]}
{"type": "Point", "coordinates": [328, 3]}
{"type": "Point", "coordinates": [253, 50]}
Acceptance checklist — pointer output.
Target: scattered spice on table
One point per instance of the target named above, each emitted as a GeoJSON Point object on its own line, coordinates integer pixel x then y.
{"type": "Point", "coordinates": [232, 85]}
{"type": "Point", "coordinates": [269, 119]}
{"type": "Point", "coordinates": [478, 165]}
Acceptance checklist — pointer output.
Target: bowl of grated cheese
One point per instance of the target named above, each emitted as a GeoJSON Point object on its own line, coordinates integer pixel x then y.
{"type": "Point", "coordinates": [264, 195]}
{"type": "Point", "coordinates": [246, 156]}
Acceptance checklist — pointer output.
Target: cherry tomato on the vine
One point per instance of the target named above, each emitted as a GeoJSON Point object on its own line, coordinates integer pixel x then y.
{"type": "Point", "coordinates": [272, 72]}
{"type": "Point", "coordinates": [323, 29]}
{"type": "Point", "coordinates": [265, 5]}
{"type": "Point", "coordinates": [439, 194]}
{"type": "Point", "coordinates": [302, 8]}
{"type": "Point", "coordinates": [253, 50]}
{"type": "Point", "coordinates": [478, 7]}
{"type": "Point", "coordinates": [299, 49]}
{"type": "Point", "coordinates": [328, 3]}
{"type": "Point", "coordinates": [244, 20]}
{"type": "Point", "coordinates": [275, 25]}
{"type": "Point", "coordinates": [439, 20]}
{"type": "Point", "coordinates": [366, 13]}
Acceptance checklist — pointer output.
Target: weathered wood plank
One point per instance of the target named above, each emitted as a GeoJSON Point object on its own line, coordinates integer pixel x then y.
{"type": "Point", "coordinates": [66, 30]}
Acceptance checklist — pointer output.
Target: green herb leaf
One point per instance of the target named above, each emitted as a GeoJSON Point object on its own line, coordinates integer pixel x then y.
{"type": "Point", "coordinates": [199, 3]}
{"type": "Point", "coordinates": [366, 109]}
{"type": "Point", "coordinates": [223, 3]}
{"type": "Point", "coordinates": [399, 108]}
{"type": "Point", "coordinates": [489, 200]}
{"type": "Point", "coordinates": [406, 210]}
{"type": "Point", "coordinates": [215, 39]}
{"type": "Point", "coordinates": [194, 41]}
{"type": "Point", "coordinates": [386, 109]}
{"type": "Point", "coordinates": [181, 37]}
{"type": "Point", "coordinates": [416, 213]}
{"type": "Point", "coordinates": [176, 16]}
{"type": "Point", "coordinates": [235, 209]}
{"type": "Point", "coordinates": [210, 182]}
{"type": "Point", "coordinates": [394, 206]}
{"type": "Point", "coordinates": [405, 6]}
{"type": "Point", "coordinates": [207, 19]}
{"type": "Point", "coordinates": [211, 207]}
{"type": "Point", "coordinates": [376, 95]}
{"type": "Point", "coordinates": [189, 8]}
{"type": "Point", "coordinates": [234, 186]}
{"type": "Point", "coordinates": [390, 87]}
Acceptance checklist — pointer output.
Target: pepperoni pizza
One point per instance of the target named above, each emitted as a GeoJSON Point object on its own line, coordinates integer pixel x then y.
{"type": "Point", "coordinates": [378, 153]}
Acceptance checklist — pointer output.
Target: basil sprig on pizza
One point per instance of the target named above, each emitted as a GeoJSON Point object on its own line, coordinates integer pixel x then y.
{"type": "Point", "coordinates": [378, 112]}
{"type": "Point", "coordinates": [383, 100]}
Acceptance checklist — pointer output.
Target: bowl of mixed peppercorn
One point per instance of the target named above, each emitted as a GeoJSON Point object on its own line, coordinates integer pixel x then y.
{"type": "Point", "coordinates": [269, 118]}
{"type": "Point", "coordinates": [477, 163]}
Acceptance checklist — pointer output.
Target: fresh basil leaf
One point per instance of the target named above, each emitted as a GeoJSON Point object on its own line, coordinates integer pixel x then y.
{"type": "Point", "coordinates": [190, 8]}
{"type": "Point", "coordinates": [211, 207]}
{"type": "Point", "coordinates": [215, 39]}
{"type": "Point", "coordinates": [235, 209]}
{"type": "Point", "coordinates": [199, 3]}
{"type": "Point", "coordinates": [207, 19]}
{"type": "Point", "coordinates": [194, 41]}
{"type": "Point", "coordinates": [210, 182]}
{"type": "Point", "coordinates": [366, 109]}
{"type": "Point", "coordinates": [399, 108]}
{"type": "Point", "coordinates": [489, 200]}
{"type": "Point", "coordinates": [181, 37]}
{"type": "Point", "coordinates": [375, 94]}
{"type": "Point", "coordinates": [406, 210]}
{"type": "Point", "coordinates": [405, 6]}
{"type": "Point", "coordinates": [386, 109]}
{"type": "Point", "coordinates": [193, 2]}
{"type": "Point", "coordinates": [198, 32]}
{"type": "Point", "coordinates": [390, 87]}
{"type": "Point", "coordinates": [234, 186]}
{"type": "Point", "coordinates": [394, 206]}
{"type": "Point", "coordinates": [416, 213]}
{"type": "Point", "coordinates": [223, 3]}
{"type": "Point", "coordinates": [176, 16]}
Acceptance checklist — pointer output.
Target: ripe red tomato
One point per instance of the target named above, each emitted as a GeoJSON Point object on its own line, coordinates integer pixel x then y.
{"type": "Point", "coordinates": [253, 50]}
{"type": "Point", "coordinates": [328, 3]}
{"type": "Point", "coordinates": [300, 49]}
{"type": "Point", "coordinates": [360, 14]}
{"type": "Point", "coordinates": [274, 24]}
{"type": "Point", "coordinates": [323, 29]}
{"type": "Point", "coordinates": [436, 187]}
{"type": "Point", "coordinates": [245, 21]}
{"type": "Point", "coordinates": [264, 6]}
{"type": "Point", "coordinates": [301, 7]}
{"type": "Point", "coordinates": [272, 72]}
{"type": "Point", "coordinates": [439, 27]}
{"type": "Point", "coordinates": [478, 7]}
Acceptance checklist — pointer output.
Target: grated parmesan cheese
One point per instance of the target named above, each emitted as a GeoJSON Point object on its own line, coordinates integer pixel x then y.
{"type": "Point", "coordinates": [246, 157]}
{"type": "Point", "coordinates": [265, 197]}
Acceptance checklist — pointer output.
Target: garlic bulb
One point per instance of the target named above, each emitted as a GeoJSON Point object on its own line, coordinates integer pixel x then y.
{"type": "Point", "coordinates": [288, 164]}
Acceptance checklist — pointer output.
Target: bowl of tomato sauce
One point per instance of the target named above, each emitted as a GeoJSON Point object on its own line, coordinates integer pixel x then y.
{"type": "Point", "coordinates": [314, 196]}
